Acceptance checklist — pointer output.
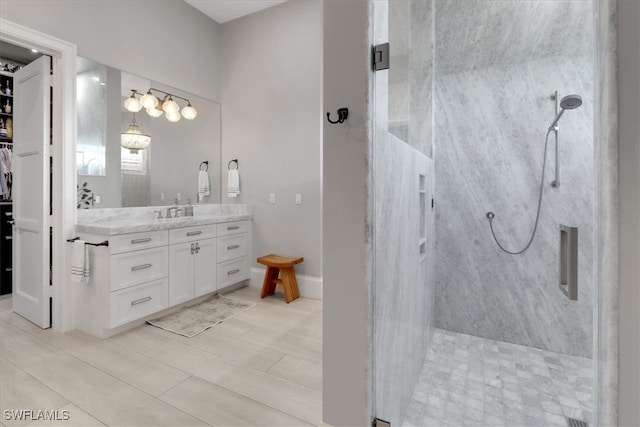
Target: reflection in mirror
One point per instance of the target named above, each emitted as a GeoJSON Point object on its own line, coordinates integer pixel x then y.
{"type": "Point", "coordinates": [165, 171]}
{"type": "Point", "coordinates": [91, 95]}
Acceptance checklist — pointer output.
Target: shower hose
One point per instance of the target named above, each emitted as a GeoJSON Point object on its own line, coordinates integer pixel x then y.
{"type": "Point", "coordinates": [491, 215]}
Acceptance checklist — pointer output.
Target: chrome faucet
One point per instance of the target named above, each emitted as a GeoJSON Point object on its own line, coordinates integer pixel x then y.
{"type": "Point", "coordinates": [159, 214]}
{"type": "Point", "coordinates": [177, 209]}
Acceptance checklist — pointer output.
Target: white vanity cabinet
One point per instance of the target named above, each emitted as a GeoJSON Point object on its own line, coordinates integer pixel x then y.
{"type": "Point", "coordinates": [142, 274]}
{"type": "Point", "coordinates": [192, 263]}
{"type": "Point", "coordinates": [234, 241]}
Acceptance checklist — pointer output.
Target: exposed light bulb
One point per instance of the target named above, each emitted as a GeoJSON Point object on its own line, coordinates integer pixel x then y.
{"type": "Point", "coordinates": [189, 112]}
{"type": "Point", "coordinates": [148, 100]}
{"type": "Point", "coordinates": [154, 112]}
{"type": "Point", "coordinates": [173, 116]}
{"type": "Point", "coordinates": [132, 104]}
{"type": "Point", "coordinates": [170, 106]}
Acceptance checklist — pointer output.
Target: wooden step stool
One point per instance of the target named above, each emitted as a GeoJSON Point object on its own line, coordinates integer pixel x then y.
{"type": "Point", "coordinates": [279, 265]}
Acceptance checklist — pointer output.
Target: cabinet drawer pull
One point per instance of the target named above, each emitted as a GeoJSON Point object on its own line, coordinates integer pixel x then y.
{"type": "Point", "coordinates": [194, 233]}
{"type": "Point", "coordinates": [229, 273]}
{"type": "Point", "coordinates": [143, 240]}
{"type": "Point", "coordinates": [232, 247]}
{"type": "Point", "coordinates": [140, 267]}
{"type": "Point", "coordinates": [141, 300]}
{"type": "Point", "coordinates": [10, 214]}
{"type": "Point", "coordinates": [8, 269]}
{"type": "Point", "coordinates": [233, 227]}
{"type": "Point", "coordinates": [8, 237]}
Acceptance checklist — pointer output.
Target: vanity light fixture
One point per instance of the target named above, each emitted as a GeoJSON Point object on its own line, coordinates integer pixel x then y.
{"type": "Point", "coordinates": [155, 106]}
{"type": "Point", "coordinates": [133, 139]}
{"type": "Point", "coordinates": [170, 106]}
{"type": "Point", "coordinates": [131, 103]}
{"type": "Point", "coordinates": [189, 112]}
{"type": "Point", "coordinates": [148, 100]}
{"type": "Point", "coordinates": [173, 116]}
{"type": "Point", "coordinates": [154, 112]}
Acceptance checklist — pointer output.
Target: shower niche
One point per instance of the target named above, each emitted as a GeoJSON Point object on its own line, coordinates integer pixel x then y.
{"type": "Point", "coordinates": [423, 216]}
{"type": "Point", "coordinates": [569, 261]}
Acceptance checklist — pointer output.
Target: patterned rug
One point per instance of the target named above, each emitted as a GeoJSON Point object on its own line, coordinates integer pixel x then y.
{"type": "Point", "coordinates": [190, 321]}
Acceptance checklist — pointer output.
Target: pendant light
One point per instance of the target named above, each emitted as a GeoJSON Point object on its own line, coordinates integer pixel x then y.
{"type": "Point", "coordinates": [133, 139]}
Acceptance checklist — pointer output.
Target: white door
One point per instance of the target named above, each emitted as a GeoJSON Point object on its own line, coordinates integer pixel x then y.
{"type": "Point", "coordinates": [205, 277]}
{"type": "Point", "coordinates": [31, 203]}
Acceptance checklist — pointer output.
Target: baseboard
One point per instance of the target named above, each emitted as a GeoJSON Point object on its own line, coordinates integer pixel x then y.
{"type": "Point", "coordinates": [308, 286]}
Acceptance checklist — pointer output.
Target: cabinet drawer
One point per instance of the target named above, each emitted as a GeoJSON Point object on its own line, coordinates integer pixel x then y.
{"type": "Point", "coordinates": [231, 272]}
{"type": "Point", "coordinates": [136, 267]}
{"type": "Point", "coordinates": [236, 227]}
{"type": "Point", "coordinates": [136, 241]}
{"type": "Point", "coordinates": [138, 301]}
{"type": "Point", "coordinates": [191, 234]}
{"type": "Point", "coordinates": [230, 247]}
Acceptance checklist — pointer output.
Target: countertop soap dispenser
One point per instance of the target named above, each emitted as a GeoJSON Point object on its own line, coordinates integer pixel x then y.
{"type": "Point", "coordinates": [188, 210]}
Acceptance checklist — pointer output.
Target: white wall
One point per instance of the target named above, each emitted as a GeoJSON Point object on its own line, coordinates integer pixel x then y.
{"type": "Point", "coordinates": [346, 359]}
{"type": "Point", "coordinates": [165, 41]}
{"type": "Point", "coordinates": [629, 180]}
{"type": "Point", "coordinates": [271, 122]}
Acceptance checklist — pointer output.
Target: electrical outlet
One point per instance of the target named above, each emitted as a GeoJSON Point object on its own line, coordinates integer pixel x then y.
{"type": "Point", "coordinates": [98, 199]}
{"type": "Point", "coordinates": [272, 197]}
{"type": "Point", "coordinates": [162, 197]}
{"type": "Point", "coordinates": [178, 196]}
{"type": "Point", "coordinates": [298, 199]}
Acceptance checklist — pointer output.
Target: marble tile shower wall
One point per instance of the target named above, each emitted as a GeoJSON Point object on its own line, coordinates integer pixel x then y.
{"type": "Point", "coordinates": [490, 125]}
{"type": "Point", "coordinates": [403, 325]}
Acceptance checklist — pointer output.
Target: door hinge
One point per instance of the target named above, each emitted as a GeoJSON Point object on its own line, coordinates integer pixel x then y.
{"type": "Point", "coordinates": [377, 422]}
{"type": "Point", "coordinates": [381, 57]}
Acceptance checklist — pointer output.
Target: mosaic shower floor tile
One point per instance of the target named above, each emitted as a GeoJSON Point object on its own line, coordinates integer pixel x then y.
{"type": "Point", "coordinates": [479, 382]}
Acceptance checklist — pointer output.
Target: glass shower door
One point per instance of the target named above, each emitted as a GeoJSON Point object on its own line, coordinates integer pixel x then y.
{"type": "Point", "coordinates": [402, 194]}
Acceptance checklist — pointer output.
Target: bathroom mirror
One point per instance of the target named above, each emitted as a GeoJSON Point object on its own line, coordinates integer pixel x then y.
{"type": "Point", "coordinates": [111, 176]}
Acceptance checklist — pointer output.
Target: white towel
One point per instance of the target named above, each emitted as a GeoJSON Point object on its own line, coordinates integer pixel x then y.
{"type": "Point", "coordinates": [233, 183]}
{"type": "Point", "coordinates": [79, 262]}
{"type": "Point", "coordinates": [204, 189]}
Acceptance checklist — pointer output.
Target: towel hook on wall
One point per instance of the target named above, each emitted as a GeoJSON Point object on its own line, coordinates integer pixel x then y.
{"type": "Point", "coordinates": [343, 113]}
{"type": "Point", "coordinates": [206, 164]}
{"type": "Point", "coordinates": [233, 161]}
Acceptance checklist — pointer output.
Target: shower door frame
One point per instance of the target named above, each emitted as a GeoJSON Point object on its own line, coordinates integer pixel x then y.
{"type": "Point", "coordinates": [605, 231]}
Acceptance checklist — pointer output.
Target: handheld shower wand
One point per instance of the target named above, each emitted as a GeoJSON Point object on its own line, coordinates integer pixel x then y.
{"type": "Point", "coordinates": [568, 102]}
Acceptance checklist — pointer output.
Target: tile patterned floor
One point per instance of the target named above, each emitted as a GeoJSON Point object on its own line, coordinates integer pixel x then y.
{"type": "Point", "coordinates": [473, 381]}
{"type": "Point", "coordinates": [262, 367]}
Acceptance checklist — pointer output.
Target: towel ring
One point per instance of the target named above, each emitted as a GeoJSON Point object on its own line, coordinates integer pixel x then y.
{"type": "Point", "coordinates": [233, 161]}
{"type": "Point", "coordinates": [206, 164]}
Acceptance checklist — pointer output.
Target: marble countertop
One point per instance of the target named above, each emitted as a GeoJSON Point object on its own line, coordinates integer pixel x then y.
{"type": "Point", "coordinates": [109, 222]}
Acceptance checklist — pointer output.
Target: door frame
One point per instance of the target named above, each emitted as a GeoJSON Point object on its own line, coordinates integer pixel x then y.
{"type": "Point", "coordinates": [64, 141]}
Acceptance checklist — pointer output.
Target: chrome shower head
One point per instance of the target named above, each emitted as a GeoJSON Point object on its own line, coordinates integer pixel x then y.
{"type": "Point", "coordinates": [570, 102]}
